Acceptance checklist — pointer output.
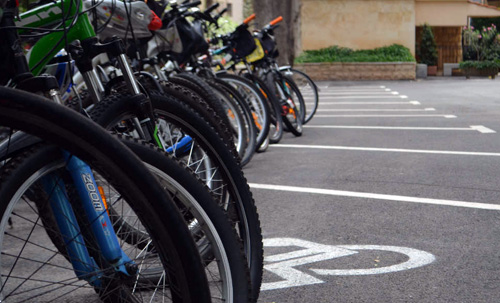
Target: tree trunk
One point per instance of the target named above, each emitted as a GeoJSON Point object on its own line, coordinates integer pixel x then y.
{"type": "Point", "coordinates": [288, 33]}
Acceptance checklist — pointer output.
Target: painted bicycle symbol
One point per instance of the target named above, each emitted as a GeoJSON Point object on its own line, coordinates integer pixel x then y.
{"type": "Point", "coordinates": [283, 264]}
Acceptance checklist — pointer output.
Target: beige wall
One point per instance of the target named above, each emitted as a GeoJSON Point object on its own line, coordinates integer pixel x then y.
{"type": "Point", "coordinates": [358, 24]}
{"type": "Point", "coordinates": [450, 12]}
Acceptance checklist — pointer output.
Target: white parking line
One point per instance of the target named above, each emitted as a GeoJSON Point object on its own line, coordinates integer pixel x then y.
{"type": "Point", "coordinates": [335, 93]}
{"type": "Point", "coordinates": [377, 110]}
{"type": "Point", "coordinates": [352, 96]}
{"type": "Point", "coordinates": [394, 150]}
{"type": "Point", "coordinates": [343, 193]}
{"type": "Point", "coordinates": [483, 129]}
{"type": "Point", "coordinates": [353, 87]}
{"type": "Point", "coordinates": [367, 102]}
{"type": "Point", "coordinates": [479, 128]}
{"type": "Point", "coordinates": [385, 116]}
{"type": "Point", "coordinates": [362, 90]}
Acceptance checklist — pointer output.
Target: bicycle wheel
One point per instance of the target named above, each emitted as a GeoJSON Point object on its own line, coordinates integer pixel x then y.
{"type": "Point", "coordinates": [221, 252]}
{"type": "Point", "coordinates": [292, 104]}
{"type": "Point", "coordinates": [256, 101]}
{"type": "Point", "coordinates": [210, 106]}
{"type": "Point", "coordinates": [308, 89]}
{"type": "Point", "coordinates": [276, 125]}
{"type": "Point", "coordinates": [239, 110]}
{"type": "Point", "coordinates": [217, 241]}
{"type": "Point", "coordinates": [23, 251]}
{"type": "Point", "coordinates": [207, 155]}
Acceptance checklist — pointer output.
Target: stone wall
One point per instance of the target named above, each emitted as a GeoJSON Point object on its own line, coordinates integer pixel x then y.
{"type": "Point", "coordinates": [359, 71]}
{"type": "Point", "coordinates": [357, 24]}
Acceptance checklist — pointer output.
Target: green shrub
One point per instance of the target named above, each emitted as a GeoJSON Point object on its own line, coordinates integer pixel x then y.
{"type": "Point", "coordinates": [393, 53]}
{"type": "Point", "coordinates": [427, 48]}
{"type": "Point", "coordinates": [480, 64]}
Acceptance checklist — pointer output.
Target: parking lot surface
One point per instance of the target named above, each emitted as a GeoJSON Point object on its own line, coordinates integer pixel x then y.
{"type": "Point", "coordinates": [391, 195]}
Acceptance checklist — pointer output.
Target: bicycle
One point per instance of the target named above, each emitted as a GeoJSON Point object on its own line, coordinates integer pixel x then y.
{"type": "Point", "coordinates": [173, 246]}
{"type": "Point", "coordinates": [158, 279]}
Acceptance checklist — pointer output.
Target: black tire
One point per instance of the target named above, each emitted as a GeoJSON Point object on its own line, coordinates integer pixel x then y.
{"type": "Point", "coordinates": [308, 89]}
{"type": "Point", "coordinates": [217, 240]}
{"type": "Point", "coordinates": [293, 104]}
{"type": "Point", "coordinates": [78, 135]}
{"type": "Point", "coordinates": [209, 107]}
{"type": "Point", "coordinates": [255, 100]}
{"type": "Point", "coordinates": [199, 86]}
{"type": "Point", "coordinates": [215, 165]}
{"type": "Point", "coordinates": [276, 125]}
{"type": "Point", "coordinates": [242, 111]}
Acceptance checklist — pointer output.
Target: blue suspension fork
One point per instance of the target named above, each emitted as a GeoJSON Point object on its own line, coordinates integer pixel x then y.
{"type": "Point", "coordinates": [84, 265]}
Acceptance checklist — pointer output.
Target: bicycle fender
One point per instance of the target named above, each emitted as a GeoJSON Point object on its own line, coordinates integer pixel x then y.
{"type": "Point", "coordinates": [18, 142]}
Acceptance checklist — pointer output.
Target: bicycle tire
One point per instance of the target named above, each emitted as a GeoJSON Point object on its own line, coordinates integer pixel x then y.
{"type": "Point", "coordinates": [293, 105]}
{"type": "Point", "coordinates": [224, 176]}
{"type": "Point", "coordinates": [241, 108]}
{"type": "Point", "coordinates": [255, 100]}
{"type": "Point", "coordinates": [308, 89]}
{"type": "Point", "coordinates": [219, 247]}
{"type": "Point", "coordinates": [276, 126]}
{"type": "Point", "coordinates": [78, 135]}
{"type": "Point", "coordinates": [205, 96]}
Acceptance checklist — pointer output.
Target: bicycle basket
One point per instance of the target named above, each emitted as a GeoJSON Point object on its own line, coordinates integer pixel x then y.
{"type": "Point", "coordinates": [185, 39]}
{"type": "Point", "coordinates": [243, 43]}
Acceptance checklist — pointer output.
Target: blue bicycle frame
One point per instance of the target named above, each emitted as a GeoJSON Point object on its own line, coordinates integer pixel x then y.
{"type": "Point", "coordinates": [84, 265]}
{"type": "Point", "coordinates": [83, 179]}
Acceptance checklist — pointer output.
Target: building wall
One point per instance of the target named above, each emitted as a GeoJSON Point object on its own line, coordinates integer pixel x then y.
{"type": "Point", "coordinates": [431, 12]}
{"type": "Point", "coordinates": [357, 24]}
{"type": "Point", "coordinates": [236, 9]}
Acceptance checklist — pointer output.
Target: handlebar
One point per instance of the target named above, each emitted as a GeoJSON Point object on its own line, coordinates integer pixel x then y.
{"type": "Point", "coordinates": [211, 8]}
{"type": "Point", "coordinates": [276, 21]}
{"type": "Point", "coordinates": [190, 4]}
{"type": "Point", "coordinates": [250, 18]}
{"type": "Point", "coordinates": [220, 14]}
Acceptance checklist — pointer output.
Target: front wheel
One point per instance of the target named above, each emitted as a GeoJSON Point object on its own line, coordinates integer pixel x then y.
{"type": "Point", "coordinates": [191, 139]}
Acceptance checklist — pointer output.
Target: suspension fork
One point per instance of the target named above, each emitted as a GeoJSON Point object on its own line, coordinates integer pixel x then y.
{"type": "Point", "coordinates": [96, 213]}
{"type": "Point", "coordinates": [89, 49]}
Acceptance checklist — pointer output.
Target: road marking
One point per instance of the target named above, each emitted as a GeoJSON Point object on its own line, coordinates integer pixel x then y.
{"type": "Point", "coordinates": [357, 86]}
{"type": "Point", "coordinates": [385, 116]}
{"type": "Point", "coordinates": [478, 128]}
{"type": "Point", "coordinates": [283, 264]}
{"type": "Point", "coordinates": [335, 93]}
{"type": "Point", "coordinates": [342, 193]}
{"type": "Point", "coordinates": [395, 150]}
{"type": "Point", "coordinates": [483, 129]}
{"type": "Point", "coordinates": [367, 102]}
{"type": "Point", "coordinates": [417, 258]}
{"type": "Point", "coordinates": [362, 97]}
{"type": "Point", "coordinates": [353, 91]}
{"type": "Point", "coordinates": [377, 110]}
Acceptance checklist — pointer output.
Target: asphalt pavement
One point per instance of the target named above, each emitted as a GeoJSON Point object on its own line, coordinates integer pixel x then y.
{"type": "Point", "coordinates": [391, 195]}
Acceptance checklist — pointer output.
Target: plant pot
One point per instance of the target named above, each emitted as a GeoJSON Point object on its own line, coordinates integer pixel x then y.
{"type": "Point", "coordinates": [432, 70]}
{"type": "Point", "coordinates": [480, 72]}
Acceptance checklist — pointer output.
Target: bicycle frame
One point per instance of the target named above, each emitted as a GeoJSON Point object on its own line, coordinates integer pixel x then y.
{"type": "Point", "coordinates": [81, 174]}
{"type": "Point", "coordinates": [78, 27]}
{"type": "Point", "coordinates": [49, 14]}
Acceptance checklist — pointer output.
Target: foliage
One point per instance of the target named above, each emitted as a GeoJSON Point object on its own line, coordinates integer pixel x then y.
{"type": "Point", "coordinates": [485, 22]}
{"type": "Point", "coordinates": [393, 53]}
{"type": "Point", "coordinates": [226, 25]}
{"type": "Point", "coordinates": [480, 64]}
{"type": "Point", "coordinates": [484, 43]}
{"type": "Point", "coordinates": [247, 8]}
{"type": "Point", "coordinates": [427, 48]}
